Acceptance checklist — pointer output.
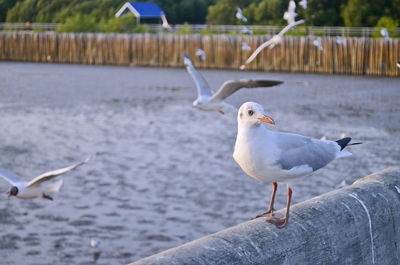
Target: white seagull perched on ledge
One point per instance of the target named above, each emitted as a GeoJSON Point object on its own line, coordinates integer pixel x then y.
{"type": "Point", "coordinates": [208, 101]}
{"type": "Point", "coordinates": [271, 156]}
{"type": "Point", "coordinates": [34, 188]}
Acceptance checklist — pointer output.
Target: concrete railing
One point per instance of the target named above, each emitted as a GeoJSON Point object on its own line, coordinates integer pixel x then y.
{"type": "Point", "coordinates": [359, 224]}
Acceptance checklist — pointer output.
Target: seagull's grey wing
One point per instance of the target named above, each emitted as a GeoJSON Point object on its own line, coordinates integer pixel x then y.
{"type": "Point", "coordinates": [51, 174]}
{"type": "Point", "coordinates": [10, 177]}
{"type": "Point", "coordinates": [229, 87]}
{"type": "Point", "coordinates": [297, 150]}
{"type": "Point", "coordinates": [203, 88]}
{"type": "Point", "coordinates": [258, 50]}
{"type": "Point", "coordinates": [290, 26]}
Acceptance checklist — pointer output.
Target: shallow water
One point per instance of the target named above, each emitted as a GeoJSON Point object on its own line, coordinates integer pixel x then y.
{"type": "Point", "coordinates": [162, 173]}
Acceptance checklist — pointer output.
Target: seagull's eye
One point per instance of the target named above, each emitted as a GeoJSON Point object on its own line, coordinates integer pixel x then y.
{"type": "Point", "coordinates": [250, 112]}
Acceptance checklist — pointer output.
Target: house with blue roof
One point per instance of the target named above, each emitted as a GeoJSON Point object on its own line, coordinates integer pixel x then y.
{"type": "Point", "coordinates": [143, 10]}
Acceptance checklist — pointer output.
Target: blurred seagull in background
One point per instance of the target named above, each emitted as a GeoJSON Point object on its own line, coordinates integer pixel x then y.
{"type": "Point", "coordinates": [385, 34]}
{"type": "Point", "coordinates": [246, 30]}
{"type": "Point", "coordinates": [398, 64]}
{"type": "Point", "coordinates": [201, 54]}
{"type": "Point", "coordinates": [290, 14]}
{"type": "Point", "coordinates": [245, 47]}
{"type": "Point", "coordinates": [303, 4]}
{"type": "Point", "coordinates": [239, 15]}
{"type": "Point", "coordinates": [340, 41]}
{"type": "Point", "coordinates": [273, 157]}
{"type": "Point", "coordinates": [208, 101]}
{"type": "Point", "coordinates": [33, 189]}
{"type": "Point", "coordinates": [318, 43]}
{"type": "Point", "coordinates": [94, 243]}
{"type": "Point", "coordinates": [165, 23]}
{"type": "Point", "coordinates": [275, 40]}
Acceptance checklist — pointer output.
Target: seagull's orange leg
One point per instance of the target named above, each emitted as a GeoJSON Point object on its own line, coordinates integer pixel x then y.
{"type": "Point", "coordinates": [282, 222]}
{"type": "Point", "coordinates": [271, 203]}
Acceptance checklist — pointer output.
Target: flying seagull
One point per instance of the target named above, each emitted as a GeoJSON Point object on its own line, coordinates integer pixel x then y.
{"type": "Point", "coordinates": [340, 41]}
{"type": "Point", "coordinates": [208, 101]}
{"type": "Point", "coordinates": [245, 46]}
{"type": "Point", "coordinates": [272, 156]}
{"type": "Point", "coordinates": [385, 34]}
{"type": "Point", "coordinates": [318, 43]}
{"type": "Point", "coordinates": [34, 188]}
{"type": "Point", "coordinates": [165, 23]}
{"type": "Point", "coordinates": [246, 30]}
{"type": "Point", "coordinates": [239, 15]}
{"type": "Point", "coordinates": [290, 14]}
{"type": "Point", "coordinates": [303, 4]}
{"type": "Point", "coordinates": [275, 40]}
{"type": "Point", "coordinates": [201, 54]}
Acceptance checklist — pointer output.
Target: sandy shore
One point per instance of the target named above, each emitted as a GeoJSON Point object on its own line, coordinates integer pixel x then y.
{"type": "Point", "coordinates": [162, 173]}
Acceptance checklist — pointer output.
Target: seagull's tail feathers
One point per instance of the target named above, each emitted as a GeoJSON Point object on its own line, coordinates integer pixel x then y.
{"type": "Point", "coordinates": [55, 187]}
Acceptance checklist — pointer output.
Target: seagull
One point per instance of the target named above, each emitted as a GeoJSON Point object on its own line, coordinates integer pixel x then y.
{"type": "Point", "coordinates": [385, 34]}
{"type": "Point", "coordinates": [165, 23]}
{"type": "Point", "coordinates": [245, 46]}
{"type": "Point", "coordinates": [273, 157]}
{"type": "Point", "coordinates": [340, 41]}
{"type": "Point", "coordinates": [303, 4]}
{"type": "Point", "coordinates": [34, 188]}
{"type": "Point", "coordinates": [201, 54]}
{"type": "Point", "coordinates": [398, 64]}
{"type": "Point", "coordinates": [275, 40]}
{"type": "Point", "coordinates": [246, 30]}
{"type": "Point", "coordinates": [239, 15]}
{"type": "Point", "coordinates": [318, 43]}
{"type": "Point", "coordinates": [94, 243]}
{"type": "Point", "coordinates": [208, 101]}
{"type": "Point", "coordinates": [290, 14]}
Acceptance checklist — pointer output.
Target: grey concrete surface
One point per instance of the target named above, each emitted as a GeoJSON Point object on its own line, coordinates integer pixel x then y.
{"type": "Point", "coordinates": [359, 224]}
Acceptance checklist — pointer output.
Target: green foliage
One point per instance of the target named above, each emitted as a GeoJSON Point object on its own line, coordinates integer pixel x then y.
{"type": "Point", "coordinates": [185, 30]}
{"type": "Point", "coordinates": [79, 23]}
{"type": "Point", "coordinates": [125, 24]}
{"type": "Point", "coordinates": [207, 31]}
{"type": "Point", "coordinates": [390, 24]}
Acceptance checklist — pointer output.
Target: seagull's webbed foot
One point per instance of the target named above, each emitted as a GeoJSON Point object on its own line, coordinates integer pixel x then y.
{"type": "Point", "coordinates": [268, 213]}
{"type": "Point", "coordinates": [279, 222]}
{"type": "Point", "coordinates": [44, 196]}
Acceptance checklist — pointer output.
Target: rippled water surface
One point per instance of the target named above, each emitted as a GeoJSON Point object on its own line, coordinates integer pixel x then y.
{"type": "Point", "coordinates": [162, 173]}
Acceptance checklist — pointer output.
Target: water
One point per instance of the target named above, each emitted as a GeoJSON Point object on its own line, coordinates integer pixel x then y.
{"type": "Point", "coordinates": [162, 173]}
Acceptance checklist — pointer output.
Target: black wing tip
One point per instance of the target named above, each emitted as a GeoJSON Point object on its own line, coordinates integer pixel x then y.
{"type": "Point", "coordinates": [186, 55]}
{"type": "Point", "coordinates": [266, 83]}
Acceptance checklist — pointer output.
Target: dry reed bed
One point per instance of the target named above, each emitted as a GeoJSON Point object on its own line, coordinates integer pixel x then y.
{"type": "Point", "coordinates": [361, 56]}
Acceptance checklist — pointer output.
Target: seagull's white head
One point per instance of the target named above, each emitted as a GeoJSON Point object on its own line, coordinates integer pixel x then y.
{"type": "Point", "coordinates": [13, 191]}
{"type": "Point", "coordinates": [252, 114]}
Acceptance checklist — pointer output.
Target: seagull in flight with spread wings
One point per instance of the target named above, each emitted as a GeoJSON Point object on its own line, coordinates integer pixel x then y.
{"type": "Point", "coordinates": [34, 188]}
{"type": "Point", "coordinates": [271, 43]}
{"type": "Point", "coordinates": [208, 101]}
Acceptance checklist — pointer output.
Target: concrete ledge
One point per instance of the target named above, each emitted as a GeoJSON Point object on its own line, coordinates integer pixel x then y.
{"type": "Point", "coordinates": [359, 224]}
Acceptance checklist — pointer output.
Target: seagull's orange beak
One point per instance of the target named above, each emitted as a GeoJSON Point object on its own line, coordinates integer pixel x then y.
{"type": "Point", "coordinates": [267, 119]}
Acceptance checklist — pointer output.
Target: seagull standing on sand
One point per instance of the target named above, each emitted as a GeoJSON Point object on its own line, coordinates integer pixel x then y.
{"type": "Point", "coordinates": [239, 15]}
{"type": "Point", "coordinates": [201, 54]}
{"type": "Point", "coordinates": [271, 156]}
{"type": "Point", "coordinates": [275, 40]}
{"type": "Point", "coordinates": [208, 101]}
{"type": "Point", "coordinates": [34, 188]}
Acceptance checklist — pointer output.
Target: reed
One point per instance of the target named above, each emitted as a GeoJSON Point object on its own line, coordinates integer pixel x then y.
{"type": "Point", "coordinates": [360, 56]}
